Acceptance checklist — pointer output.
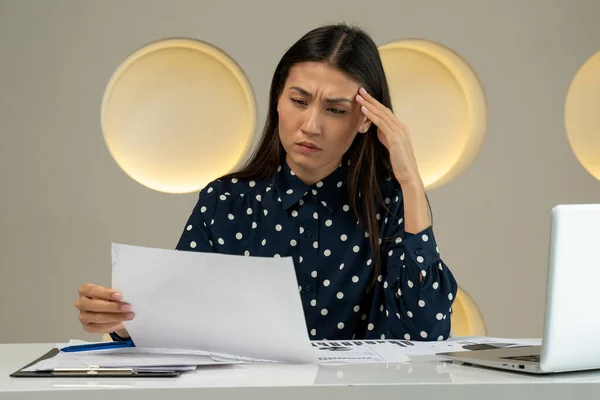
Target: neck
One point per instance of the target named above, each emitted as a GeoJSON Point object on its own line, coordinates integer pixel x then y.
{"type": "Point", "coordinates": [312, 176]}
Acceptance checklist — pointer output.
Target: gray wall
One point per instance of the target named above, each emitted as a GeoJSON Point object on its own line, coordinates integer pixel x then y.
{"type": "Point", "coordinates": [63, 199]}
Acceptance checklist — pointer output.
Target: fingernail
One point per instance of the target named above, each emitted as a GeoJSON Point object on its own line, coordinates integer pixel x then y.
{"type": "Point", "coordinates": [126, 307]}
{"type": "Point", "coordinates": [117, 296]}
{"type": "Point", "coordinates": [364, 109]}
{"type": "Point", "coordinates": [362, 90]}
{"type": "Point", "coordinates": [359, 97]}
{"type": "Point", "coordinates": [129, 316]}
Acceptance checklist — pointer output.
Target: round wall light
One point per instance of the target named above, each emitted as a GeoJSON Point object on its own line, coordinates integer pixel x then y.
{"type": "Point", "coordinates": [177, 114]}
{"type": "Point", "coordinates": [436, 93]}
{"type": "Point", "coordinates": [582, 115]}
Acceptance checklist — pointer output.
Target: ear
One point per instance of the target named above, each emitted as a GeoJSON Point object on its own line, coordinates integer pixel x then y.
{"type": "Point", "coordinates": [364, 126]}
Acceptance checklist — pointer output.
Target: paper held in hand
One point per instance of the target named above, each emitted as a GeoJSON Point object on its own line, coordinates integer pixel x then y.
{"type": "Point", "coordinates": [227, 304]}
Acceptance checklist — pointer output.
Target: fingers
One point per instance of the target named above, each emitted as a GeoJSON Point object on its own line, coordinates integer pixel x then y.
{"type": "Point", "coordinates": [99, 292]}
{"type": "Point", "coordinates": [88, 317]}
{"type": "Point", "coordinates": [375, 115]}
{"type": "Point", "coordinates": [375, 106]}
{"type": "Point", "coordinates": [383, 139]}
{"type": "Point", "coordinates": [100, 310]}
{"type": "Point", "coordinates": [102, 328]}
{"type": "Point", "coordinates": [94, 305]}
{"type": "Point", "coordinates": [369, 100]}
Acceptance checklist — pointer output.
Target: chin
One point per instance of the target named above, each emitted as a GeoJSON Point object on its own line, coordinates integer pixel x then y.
{"type": "Point", "coordinates": [308, 163]}
{"type": "Point", "coordinates": [302, 160]}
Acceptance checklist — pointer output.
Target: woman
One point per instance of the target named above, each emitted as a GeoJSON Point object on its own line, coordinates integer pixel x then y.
{"type": "Point", "coordinates": [334, 184]}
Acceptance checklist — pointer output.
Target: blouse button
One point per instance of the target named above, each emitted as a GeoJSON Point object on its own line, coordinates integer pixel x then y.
{"type": "Point", "coordinates": [308, 233]}
{"type": "Point", "coordinates": [419, 252]}
{"type": "Point", "coordinates": [307, 288]}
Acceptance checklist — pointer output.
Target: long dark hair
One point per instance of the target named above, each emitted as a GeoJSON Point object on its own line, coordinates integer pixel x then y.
{"type": "Point", "coordinates": [353, 52]}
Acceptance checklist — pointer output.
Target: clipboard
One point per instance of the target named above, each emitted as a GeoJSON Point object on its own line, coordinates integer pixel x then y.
{"type": "Point", "coordinates": [91, 372]}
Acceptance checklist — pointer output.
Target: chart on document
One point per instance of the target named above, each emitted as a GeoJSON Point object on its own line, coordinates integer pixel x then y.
{"type": "Point", "coordinates": [362, 351]}
{"type": "Point", "coordinates": [393, 351]}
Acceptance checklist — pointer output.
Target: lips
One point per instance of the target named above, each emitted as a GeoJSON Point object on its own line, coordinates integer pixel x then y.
{"type": "Point", "coordinates": [310, 145]}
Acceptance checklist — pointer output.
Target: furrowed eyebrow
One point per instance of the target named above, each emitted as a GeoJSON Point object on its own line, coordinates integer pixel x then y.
{"type": "Point", "coordinates": [330, 100]}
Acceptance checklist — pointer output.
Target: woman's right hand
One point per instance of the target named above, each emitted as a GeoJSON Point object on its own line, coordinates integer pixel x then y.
{"type": "Point", "coordinates": [101, 310]}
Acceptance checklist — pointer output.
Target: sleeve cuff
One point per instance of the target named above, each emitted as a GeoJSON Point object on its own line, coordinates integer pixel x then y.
{"type": "Point", "coordinates": [422, 247]}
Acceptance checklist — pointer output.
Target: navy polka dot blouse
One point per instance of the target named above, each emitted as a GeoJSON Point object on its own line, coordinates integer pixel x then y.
{"type": "Point", "coordinates": [314, 224]}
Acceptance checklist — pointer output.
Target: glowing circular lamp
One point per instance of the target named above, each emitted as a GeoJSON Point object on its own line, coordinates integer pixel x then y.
{"type": "Point", "coordinates": [467, 319]}
{"type": "Point", "coordinates": [582, 115]}
{"type": "Point", "coordinates": [177, 114]}
{"type": "Point", "coordinates": [436, 93]}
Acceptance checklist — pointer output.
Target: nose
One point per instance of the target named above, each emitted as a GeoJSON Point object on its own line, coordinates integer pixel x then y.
{"type": "Point", "coordinates": [312, 122]}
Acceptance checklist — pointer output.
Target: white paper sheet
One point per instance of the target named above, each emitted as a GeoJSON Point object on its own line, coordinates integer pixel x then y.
{"type": "Point", "coordinates": [396, 351]}
{"type": "Point", "coordinates": [466, 343]}
{"type": "Point", "coordinates": [360, 352]}
{"type": "Point", "coordinates": [69, 361]}
{"type": "Point", "coordinates": [138, 358]}
{"type": "Point", "coordinates": [74, 342]}
{"type": "Point", "coordinates": [243, 306]}
{"type": "Point", "coordinates": [132, 357]}
{"type": "Point", "coordinates": [217, 357]}
{"type": "Point", "coordinates": [61, 360]}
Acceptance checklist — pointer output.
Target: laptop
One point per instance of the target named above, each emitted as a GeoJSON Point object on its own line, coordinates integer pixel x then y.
{"type": "Point", "coordinates": [571, 337]}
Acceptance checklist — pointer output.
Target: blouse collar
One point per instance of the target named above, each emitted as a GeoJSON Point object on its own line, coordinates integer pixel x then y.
{"type": "Point", "coordinates": [330, 191]}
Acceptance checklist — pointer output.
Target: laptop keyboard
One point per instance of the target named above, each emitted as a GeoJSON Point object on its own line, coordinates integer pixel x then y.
{"type": "Point", "coordinates": [532, 358]}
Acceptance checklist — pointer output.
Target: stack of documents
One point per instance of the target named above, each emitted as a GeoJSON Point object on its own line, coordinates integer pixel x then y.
{"type": "Point", "coordinates": [79, 357]}
{"type": "Point", "coordinates": [83, 357]}
{"type": "Point", "coordinates": [204, 309]}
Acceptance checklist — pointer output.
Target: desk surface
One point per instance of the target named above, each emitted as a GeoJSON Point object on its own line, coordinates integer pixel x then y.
{"type": "Point", "coordinates": [424, 379]}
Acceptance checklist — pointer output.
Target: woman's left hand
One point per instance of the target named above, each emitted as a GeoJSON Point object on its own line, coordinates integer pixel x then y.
{"type": "Point", "coordinates": [394, 135]}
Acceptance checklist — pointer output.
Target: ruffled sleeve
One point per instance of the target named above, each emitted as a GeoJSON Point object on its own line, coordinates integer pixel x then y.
{"type": "Point", "coordinates": [419, 287]}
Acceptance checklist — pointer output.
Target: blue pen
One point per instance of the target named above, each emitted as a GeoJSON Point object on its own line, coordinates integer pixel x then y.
{"type": "Point", "coordinates": [98, 346]}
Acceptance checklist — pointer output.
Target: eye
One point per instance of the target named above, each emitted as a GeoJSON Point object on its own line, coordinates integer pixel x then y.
{"type": "Point", "coordinates": [298, 101]}
{"type": "Point", "coordinates": [337, 111]}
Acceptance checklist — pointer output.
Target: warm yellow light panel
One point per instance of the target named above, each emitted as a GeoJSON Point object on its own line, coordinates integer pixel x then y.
{"type": "Point", "coordinates": [177, 114]}
{"type": "Point", "coordinates": [440, 98]}
{"type": "Point", "coordinates": [467, 319]}
{"type": "Point", "coordinates": [582, 115]}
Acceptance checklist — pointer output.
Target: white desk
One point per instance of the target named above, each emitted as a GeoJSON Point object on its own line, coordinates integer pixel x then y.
{"type": "Point", "coordinates": [419, 380]}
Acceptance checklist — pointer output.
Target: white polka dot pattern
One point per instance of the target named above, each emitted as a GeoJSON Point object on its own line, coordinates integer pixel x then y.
{"type": "Point", "coordinates": [315, 225]}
